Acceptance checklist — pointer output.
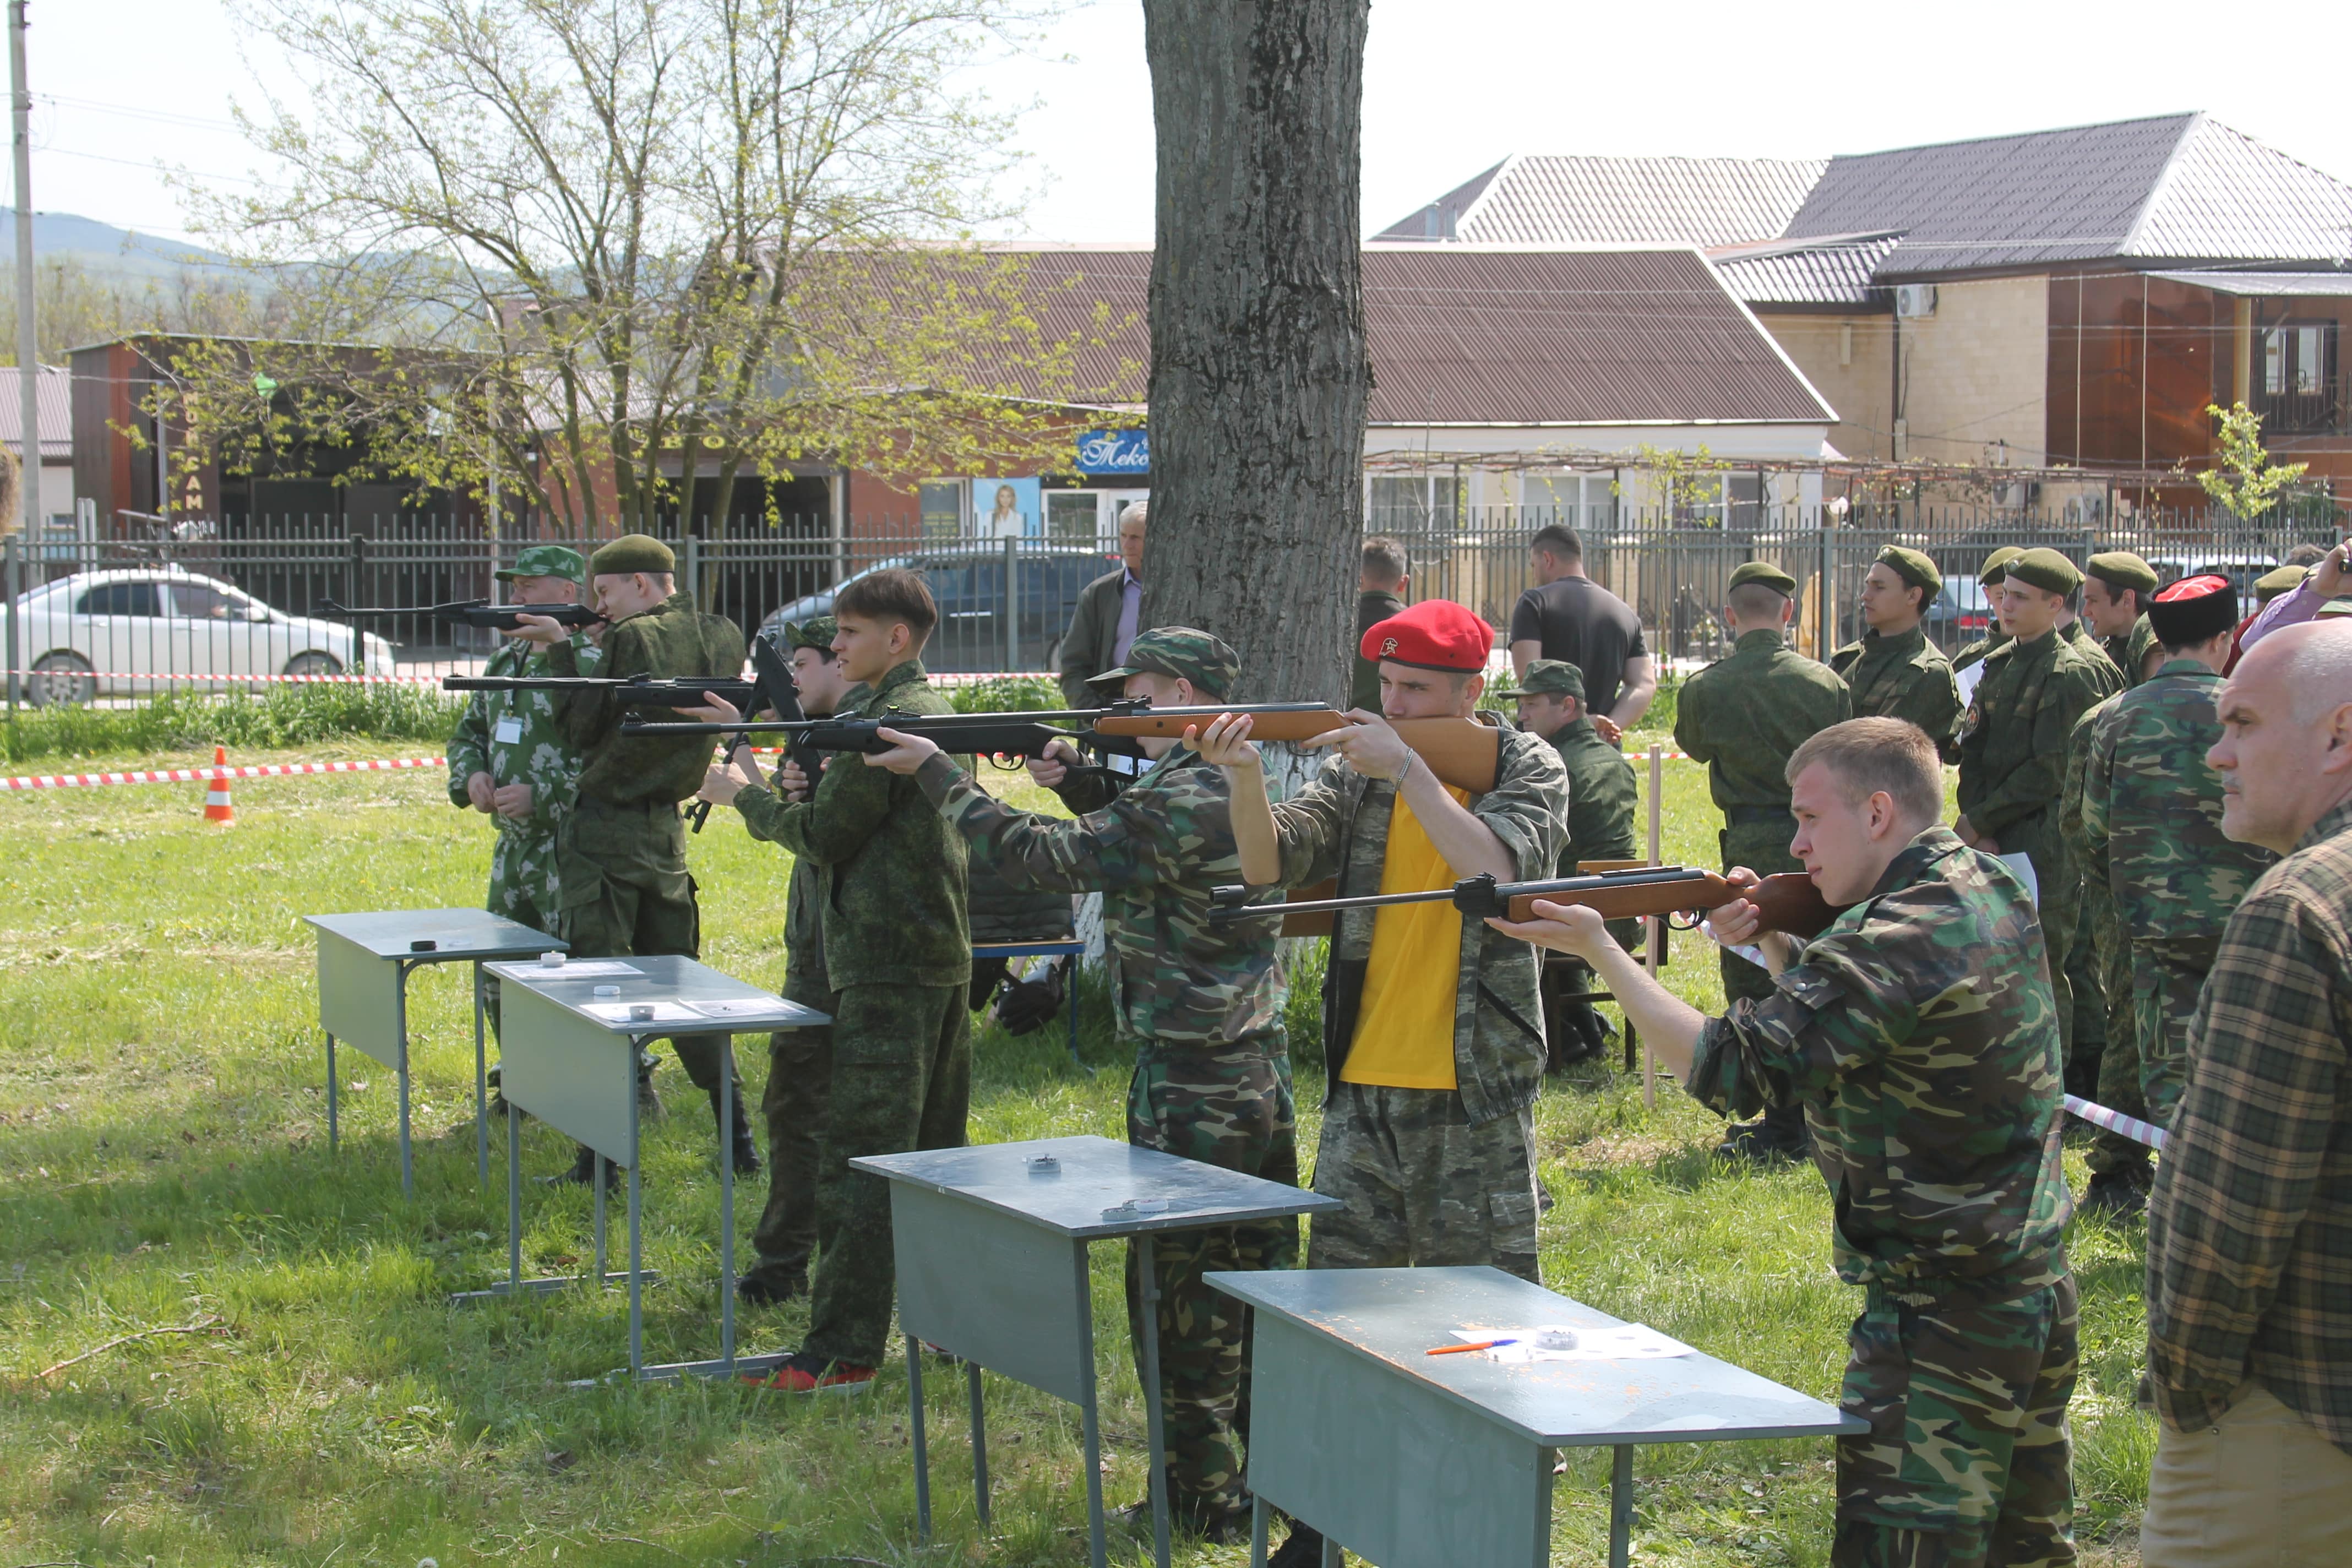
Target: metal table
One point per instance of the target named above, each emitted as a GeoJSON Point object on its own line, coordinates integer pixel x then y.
{"type": "Point", "coordinates": [365, 961]}
{"type": "Point", "coordinates": [570, 1058]}
{"type": "Point", "coordinates": [1049, 947]}
{"type": "Point", "coordinates": [1403, 1457]}
{"type": "Point", "coordinates": [991, 1251]}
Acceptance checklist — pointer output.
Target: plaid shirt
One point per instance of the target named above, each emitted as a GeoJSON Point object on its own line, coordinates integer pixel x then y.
{"type": "Point", "coordinates": [2249, 1227]}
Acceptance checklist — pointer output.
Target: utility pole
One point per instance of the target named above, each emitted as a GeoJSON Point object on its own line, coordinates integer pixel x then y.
{"type": "Point", "coordinates": [28, 351]}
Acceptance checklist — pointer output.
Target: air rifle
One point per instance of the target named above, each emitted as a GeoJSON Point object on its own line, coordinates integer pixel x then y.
{"type": "Point", "coordinates": [1788, 902]}
{"type": "Point", "coordinates": [475, 613]}
{"type": "Point", "coordinates": [636, 691]}
{"type": "Point", "coordinates": [1462, 753]}
{"type": "Point", "coordinates": [772, 689]}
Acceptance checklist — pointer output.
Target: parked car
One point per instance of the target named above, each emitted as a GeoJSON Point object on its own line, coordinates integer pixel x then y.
{"type": "Point", "coordinates": [1961, 613]}
{"type": "Point", "coordinates": [968, 582]}
{"type": "Point", "coordinates": [120, 632]}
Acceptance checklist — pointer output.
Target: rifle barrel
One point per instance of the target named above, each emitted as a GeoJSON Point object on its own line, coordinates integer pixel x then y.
{"type": "Point", "coordinates": [1564, 887]}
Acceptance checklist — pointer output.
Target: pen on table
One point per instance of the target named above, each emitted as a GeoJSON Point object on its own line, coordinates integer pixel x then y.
{"type": "Point", "coordinates": [1473, 1345]}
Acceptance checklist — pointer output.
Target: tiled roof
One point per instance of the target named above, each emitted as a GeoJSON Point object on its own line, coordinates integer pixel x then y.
{"type": "Point", "coordinates": [1833, 271]}
{"type": "Point", "coordinates": [1535, 200]}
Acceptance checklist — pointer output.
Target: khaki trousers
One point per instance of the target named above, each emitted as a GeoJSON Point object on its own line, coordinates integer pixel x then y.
{"type": "Point", "coordinates": [2262, 1489]}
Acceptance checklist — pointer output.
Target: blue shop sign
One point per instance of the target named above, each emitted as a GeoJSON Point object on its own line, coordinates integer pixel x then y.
{"type": "Point", "coordinates": [1114, 452]}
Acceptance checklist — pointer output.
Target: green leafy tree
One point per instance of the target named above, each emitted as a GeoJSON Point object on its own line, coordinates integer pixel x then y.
{"type": "Point", "coordinates": [2244, 479]}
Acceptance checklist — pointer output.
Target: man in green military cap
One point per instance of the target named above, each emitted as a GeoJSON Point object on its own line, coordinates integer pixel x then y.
{"type": "Point", "coordinates": [1743, 717]}
{"type": "Point", "coordinates": [1894, 672]}
{"type": "Point", "coordinates": [621, 848]}
{"type": "Point", "coordinates": [2279, 580]}
{"type": "Point", "coordinates": [509, 762]}
{"type": "Point", "coordinates": [800, 1061]}
{"type": "Point", "coordinates": [2116, 587]}
{"type": "Point", "coordinates": [1599, 827]}
{"type": "Point", "coordinates": [1202, 1005]}
{"type": "Point", "coordinates": [2014, 746]}
{"type": "Point", "coordinates": [1989, 577]}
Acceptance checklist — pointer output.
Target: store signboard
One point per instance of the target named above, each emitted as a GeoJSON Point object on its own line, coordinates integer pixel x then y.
{"type": "Point", "coordinates": [1114, 452]}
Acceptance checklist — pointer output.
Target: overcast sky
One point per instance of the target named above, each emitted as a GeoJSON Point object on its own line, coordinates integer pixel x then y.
{"type": "Point", "coordinates": [1451, 87]}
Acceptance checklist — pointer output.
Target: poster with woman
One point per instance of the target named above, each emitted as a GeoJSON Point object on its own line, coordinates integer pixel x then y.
{"type": "Point", "coordinates": [1006, 509]}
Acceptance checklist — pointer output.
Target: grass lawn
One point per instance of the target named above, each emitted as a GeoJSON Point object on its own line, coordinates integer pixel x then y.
{"type": "Point", "coordinates": [164, 1165]}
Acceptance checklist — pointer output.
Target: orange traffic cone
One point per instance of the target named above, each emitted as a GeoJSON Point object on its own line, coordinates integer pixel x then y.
{"type": "Point", "coordinates": [216, 805]}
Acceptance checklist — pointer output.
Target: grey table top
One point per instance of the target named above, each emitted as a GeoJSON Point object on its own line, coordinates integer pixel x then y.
{"type": "Point", "coordinates": [1393, 1316]}
{"type": "Point", "coordinates": [454, 934]}
{"type": "Point", "coordinates": [686, 997]}
{"type": "Point", "coordinates": [1094, 1187]}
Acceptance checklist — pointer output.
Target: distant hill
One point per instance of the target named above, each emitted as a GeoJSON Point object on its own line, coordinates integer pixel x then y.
{"type": "Point", "coordinates": [103, 250]}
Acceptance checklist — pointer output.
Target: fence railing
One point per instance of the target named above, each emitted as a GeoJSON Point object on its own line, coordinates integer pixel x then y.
{"type": "Point", "coordinates": [244, 606]}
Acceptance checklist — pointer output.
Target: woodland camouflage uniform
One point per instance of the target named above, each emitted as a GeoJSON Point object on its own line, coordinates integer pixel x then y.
{"type": "Point", "coordinates": [1919, 1034]}
{"type": "Point", "coordinates": [1202, 1007]}
{"type": "Point", "coordinates": [2117, 1084]}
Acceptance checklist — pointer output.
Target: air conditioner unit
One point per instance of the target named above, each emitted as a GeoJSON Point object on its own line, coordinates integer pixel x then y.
{"type": "Point", "coordinates": [1915, 300]}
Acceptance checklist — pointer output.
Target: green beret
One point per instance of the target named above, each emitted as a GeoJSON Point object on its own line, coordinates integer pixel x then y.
{"type": "Point", "coordinates": [1996, 565]}
{"type": "Point", "coordinates": [816, 632]}
{"type": "Point", "coordinates": [545, 561]}
{"type": "Point", "coordinates": [631, 554]}
{"type": "Point", "coordinates": [1764, 572]}
{"type": "Point", "coordinates": [1183, 653]}
{"type": "Point", "coordinates": [2120, 569]}
{"type": "Point", "coordinates": [1551, 678]}
{"type": "Point", "coordinates": [2047, 570]}
{"type": "Point", "coordinates": [2282, 580]}
{"type": "Point", "coordinates": [1913, 566]}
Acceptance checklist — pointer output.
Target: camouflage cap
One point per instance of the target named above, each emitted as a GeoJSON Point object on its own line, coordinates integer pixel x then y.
{"type": "Point", "coordinates": [1996, 565]}
{"type": "Point", "coordinates": [2047, 570]}
{"type": "Point", "coordinates": [1551, 678]}
{"type": "Point", "coordinates": [2122, 569]}
{"type": "Point", "coordinates": [631, 554]}
{"type": "Point", "coordinates": [2280, 580]}
{"type": "Point", "coordinates": [1766, 573]}
{"type": "Point", "coordinates": [1914, 567]}
{"type": "Point", "coordinates": [816, 632]}
{"type": "Point", "coordinates": [546, 561]}
{"type": "Point", "coordinates": [1183, 653]}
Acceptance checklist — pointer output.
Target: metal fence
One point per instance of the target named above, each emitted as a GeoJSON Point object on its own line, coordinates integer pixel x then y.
{"type": "Point", "coordinates": [249, 605]}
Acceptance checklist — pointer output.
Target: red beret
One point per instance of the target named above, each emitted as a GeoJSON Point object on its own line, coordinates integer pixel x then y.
{"type": "Point", "coordinates": [1436, 634]}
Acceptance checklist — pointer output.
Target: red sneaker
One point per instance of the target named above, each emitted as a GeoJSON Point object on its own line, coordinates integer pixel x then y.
{"type": "Point", "coordinates": [801, 1373]}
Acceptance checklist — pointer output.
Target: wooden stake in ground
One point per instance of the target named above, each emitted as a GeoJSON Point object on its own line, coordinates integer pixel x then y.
{"type": "Point", "coordinates": [1259, 373]}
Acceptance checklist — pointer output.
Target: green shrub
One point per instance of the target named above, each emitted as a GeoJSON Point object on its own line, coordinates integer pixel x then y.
{"type": "Point", "coordinates": [1006, 694]}
{"type": "Point", "coordinates": [285, 716]}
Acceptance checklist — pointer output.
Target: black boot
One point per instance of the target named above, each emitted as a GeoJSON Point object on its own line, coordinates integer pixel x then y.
{"type": "Point", "coordinates": [1778, 1134]}
{"type": "Point", "coordinates": [584, 1171]}
{"type": "Point", "coordinates": [1302, 1548]}
{"type": "Point", "coordinates": [649, 1105]}
{"type": "Point", "coordinates": [739, 1138]}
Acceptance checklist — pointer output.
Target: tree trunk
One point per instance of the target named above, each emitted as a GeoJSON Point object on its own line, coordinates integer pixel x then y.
{"type": "Point", "coordinates": [1259, 374]}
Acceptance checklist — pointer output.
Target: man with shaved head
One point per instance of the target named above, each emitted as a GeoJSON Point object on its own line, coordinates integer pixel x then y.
{"type": "Point", "coordinates": [2250, 1223]}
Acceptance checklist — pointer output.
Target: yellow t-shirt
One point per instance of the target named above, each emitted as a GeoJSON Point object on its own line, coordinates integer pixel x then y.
{"type": "Point", "coordinates": [1405, 1029]}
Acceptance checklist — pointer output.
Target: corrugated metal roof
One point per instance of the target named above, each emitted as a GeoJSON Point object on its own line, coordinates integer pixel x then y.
{"type": "Point", "coordinates": [1835, 271]}
{"type": "Point", "coordinates": [1476, 336]}
{"type": "Point", "coordinates": [56, 391]}
{"type": "Point", "coordinates": [1542, 200]}
{"type": "Point", "coordinates": [2228, 195]}
{"type": "Point", "coordinates": [2268, 285]}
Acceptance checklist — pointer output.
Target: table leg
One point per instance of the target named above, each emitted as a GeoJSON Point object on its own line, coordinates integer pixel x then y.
{"type": "Point", "coordinates": [922, 1452]}
{"type": "Point", "coordinates": [979, 1443]}
{"type": "Point", "coordinates": [334, 1140]}
{"type": "Point", "coordinates": [596, 1171]}
{"type": "Point", "coordinates": [481, 1084]}
{"type": "Point", "coordinates": [400, 1027]}
{"type": "Point", "coordinates": [1331, 1558]}
{"type": "Point", "coordinates": [1155, 1415]}
{"type": "Point", "coordinates": [1089, 1422]}
{"type": "Point", "coordinates": [514, 1197]}
{"type": "Point", "coordinates": [1070, 994]}
{"type": "Point", "coordinates": [1621, 1505]}
{"type": "Point", "coordinates": [727, 1204]}
{"type": "Point", "coordinates": [637, 1237]}
{"type": "Point", "coordinates": [1257, 1532]}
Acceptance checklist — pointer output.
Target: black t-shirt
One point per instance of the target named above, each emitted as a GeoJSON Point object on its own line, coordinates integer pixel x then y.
{"type": "Point", "coordinates": [1583, 623]}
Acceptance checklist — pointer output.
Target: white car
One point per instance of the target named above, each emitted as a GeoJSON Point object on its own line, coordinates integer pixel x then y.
{"type": "Point", "coordinates": [119, 633]}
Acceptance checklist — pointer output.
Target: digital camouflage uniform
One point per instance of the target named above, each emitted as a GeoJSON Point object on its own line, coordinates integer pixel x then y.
{"type": "Point", "coordinates": [1901, 676]}
{"type": "Point", "coordinates": [1978, 650]}
{"type": "Point", "coordinates": [2087, 976]}
{"type": "Point", "coordinates": [2128, 652]}
{"type": "Point", "coordinates": [1919, 1034]}
{"type": "Point", "coordinates": [2152, 833]}
{"type": "Point", "coordinates": [1429, 1176]}
{"type": "Point", "coordinates": [1202, 1007]}
{"type": "Point", "coordinates": [1744, 715]}
{"type": "Point", "coordinates": [890, 876]}
{"type": "Point", "coordinates": [2117, 1083]}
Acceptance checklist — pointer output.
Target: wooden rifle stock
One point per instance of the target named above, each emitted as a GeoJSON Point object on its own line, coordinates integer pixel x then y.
{"type": "Point", "coordinates": [1788, 902]}
{"type": "Point", "coordinates": [1462, 753]}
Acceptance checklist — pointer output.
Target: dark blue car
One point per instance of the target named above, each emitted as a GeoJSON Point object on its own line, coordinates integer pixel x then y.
{"type": "Point", "coordinates": [970, 583]}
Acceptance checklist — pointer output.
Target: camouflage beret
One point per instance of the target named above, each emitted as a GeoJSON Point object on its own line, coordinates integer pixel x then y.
{"type": "Point", "coordinates": [1551, 678]}
{"type": "Point", "coordinates": [2047, 570]}
{"type": "Point", "coordinates": [545, 561]}
{"type": "Point", "coordinates": [2281, 580]}
{"type": "Point", "coordinates": [1765, 572]}
{"type": "Point", "coordinates": [1996, 565]}
{"type": "Point", "coordinates": [816, 632]}
{"type": "Point", "coordinates": [1183, 653]}
{"type": "Point", "coordinates": [631, 554]}
{"type": "Point", "coordinates": [1913, 566]}
{"type": "Point", "coordinates": [2122, 569]}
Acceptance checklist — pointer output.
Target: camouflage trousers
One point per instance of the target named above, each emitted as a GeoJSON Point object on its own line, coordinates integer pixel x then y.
{"type": "Point", "coordinates": [2119, 1059]}
{"type": "Point", "coordinates": [901, 1081]}
{"type": "Point", "coordinates": [2167, 974]}
{"type": "Point", "coordinates": [1763, 849]}
{"type": "Point", "coordinates": [800, 1085]}
{"type": "Point", "coordinates": [1231, 1108]}
{"type": "Point", "coordinates": [2086, 977]}
{"type": "Point", "coordinates": [523, 889]}
{"type": "Point", "coordinates": [1968, 1462]}
{"type": "Point", "coordinates": [2059, 890]}
{"type": "Point", "coordinates": [1420, 1185]}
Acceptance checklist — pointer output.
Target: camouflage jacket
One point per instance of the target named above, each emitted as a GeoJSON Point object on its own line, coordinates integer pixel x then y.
{"type": "Point", "coordinates": [889, 874]}
{"type": "Point", "coordinates": [1919, 1034]}
{"type": "Point", "coordinates": [671, 639]}
{"type": "Point", "coordinates": [1903, 676]}
{"type": "Point", "coordinates": [1744, 715]}
{"type": "Point", "coordinates": [1338, 826]}
{"type": "Point", "coordinates": [1983, 649]}
{"type": "Point", "coordinates": [1600, 795]}
{"type": "Point", "coordinates": [2128, 652]}
{"type": "Point", "coordinates": [2152, 808]}
{"type": "Point", "coordinates": [2013, 739]}
{"type": "Point", "coordinates": [1154, 854]}
{"type": "Point", "coordinates": [2078, 633]}
{"type": "Point", "coordinates": [513, 737]}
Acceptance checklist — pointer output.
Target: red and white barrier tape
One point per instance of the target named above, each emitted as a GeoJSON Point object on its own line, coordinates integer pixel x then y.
{"type": "Point", "coordinates": [2131, 1127]}
{"type": "Point", "coordinates": [196, 677]}
{"type": "Point", "coordinates": [206, 775]}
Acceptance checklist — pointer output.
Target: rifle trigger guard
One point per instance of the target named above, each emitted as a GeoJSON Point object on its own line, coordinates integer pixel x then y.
{"type": "Point", "coordinates": [1686, 919]}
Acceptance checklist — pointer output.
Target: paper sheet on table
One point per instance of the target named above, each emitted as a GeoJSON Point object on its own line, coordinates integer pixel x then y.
{"type": "Point", "coordinates": [2022, 864]}
{"type": "Point", "coordinates": [587, 969]}
{"type": "Point", "coordinates": [1966, 681]}
{"type": "Point", "coordinates": [1627, 1342]}
{"type": "Point", "coordinates": [663, 1013]}
{"type": "Point", "coordinates": [746, 1007]}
